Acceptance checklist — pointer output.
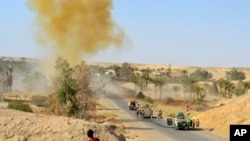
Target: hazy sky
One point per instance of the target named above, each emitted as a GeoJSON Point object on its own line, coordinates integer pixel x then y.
{"type": "Point", "coordinates": [176, 32]}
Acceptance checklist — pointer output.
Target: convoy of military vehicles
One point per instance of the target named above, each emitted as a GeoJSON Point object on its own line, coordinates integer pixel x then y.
{"type": "Point", "coordinates": [177, 123]}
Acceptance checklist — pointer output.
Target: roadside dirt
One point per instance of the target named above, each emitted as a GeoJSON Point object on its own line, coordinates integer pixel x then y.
{"type": "Point", "coordinates": [22, 126]}
{"type": "Point", "coordinates": [215, 121]}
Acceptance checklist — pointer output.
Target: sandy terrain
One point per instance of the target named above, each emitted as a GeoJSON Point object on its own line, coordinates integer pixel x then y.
{"type": "Point", "coordinates": [235, 111]}
{"type": "Point", "coordinates": [22, 126]}
{"type": "Point", "coordinates": [16, 125]}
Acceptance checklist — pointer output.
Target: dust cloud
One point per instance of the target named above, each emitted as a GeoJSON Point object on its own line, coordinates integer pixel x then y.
{"type": "Point", "coordinates": [75, 28]}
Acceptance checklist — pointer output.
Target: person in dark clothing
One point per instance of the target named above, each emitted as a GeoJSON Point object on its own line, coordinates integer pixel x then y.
{"type": "Point", "coordinates": [90, 134]}
{"type": "Point", "coordinates": [159, 116]}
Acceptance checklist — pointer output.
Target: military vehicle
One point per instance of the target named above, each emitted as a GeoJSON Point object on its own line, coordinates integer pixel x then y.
{"type": "Point", "coordinates": [146, 111]}
{"type": "Point", "coordinates": [133, 105]}
{"type": "Point", "coordinates": [180, 122]}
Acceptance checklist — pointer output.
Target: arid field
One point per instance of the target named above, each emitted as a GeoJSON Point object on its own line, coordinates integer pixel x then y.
{"type": "Point", "coordinates": [215, 114]}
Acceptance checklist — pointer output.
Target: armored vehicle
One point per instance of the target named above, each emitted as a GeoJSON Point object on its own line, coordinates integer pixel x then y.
{"type": "Point", "coordinates": [146, 111]}
{"type": "Point", "coordinates": [133, 105]}
{"type": "Point", "coordinates": [180, 122]}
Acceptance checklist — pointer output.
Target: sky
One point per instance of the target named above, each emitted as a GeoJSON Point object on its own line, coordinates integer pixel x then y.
{"type": "Point", "coordinates": [209, 33]}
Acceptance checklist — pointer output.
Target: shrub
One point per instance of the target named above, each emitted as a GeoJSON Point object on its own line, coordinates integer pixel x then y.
{"type": "Point", "coordinates": [20, 106]}
{"type": "Point", "coordinates": [222, 104]}
{"type": "Point", "coordinates": [149, 99]}
{"type": "Point", "coordinates": [140, 95]}
{"type": "Point", "coordinates": [171, 115]}
{"type": "Point", "coordinates": [168, 100]}
{"type": "Point", "coordinates": [40, 101]}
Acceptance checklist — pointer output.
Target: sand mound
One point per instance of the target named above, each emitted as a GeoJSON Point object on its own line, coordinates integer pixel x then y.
{"type": "Point", "coordinates": [21, 126]}
{"type": "Point", "coordinates": [236, 111]}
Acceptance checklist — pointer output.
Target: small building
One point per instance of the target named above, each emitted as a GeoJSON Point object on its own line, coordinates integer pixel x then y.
{"type": "Point", "coordinates": [110, 74]}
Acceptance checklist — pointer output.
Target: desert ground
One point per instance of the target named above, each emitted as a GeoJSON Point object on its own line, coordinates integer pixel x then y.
{"type": "Point", "coordinates": [22, 126]}
{"type": "Point", "coordinates": [109, 125]}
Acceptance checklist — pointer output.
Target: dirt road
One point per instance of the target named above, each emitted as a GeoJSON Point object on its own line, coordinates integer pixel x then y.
{"type": "Point", "coordinates": [146, 130]}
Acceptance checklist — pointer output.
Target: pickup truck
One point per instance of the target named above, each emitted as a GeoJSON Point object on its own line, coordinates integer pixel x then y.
{"type": "Point", "coordinates": [134, 105]}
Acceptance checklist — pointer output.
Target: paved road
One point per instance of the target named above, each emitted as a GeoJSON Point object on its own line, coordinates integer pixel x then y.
{"type": "Point", "coordinates": [161, 125]}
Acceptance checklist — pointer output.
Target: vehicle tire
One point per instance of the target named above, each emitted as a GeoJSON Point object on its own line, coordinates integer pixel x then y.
{"type": "Point", "coordinates": [183, 124]}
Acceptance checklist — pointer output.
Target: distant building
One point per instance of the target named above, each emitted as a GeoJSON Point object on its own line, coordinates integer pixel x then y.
{"type": "Point", "coordinates": [158, 73]}
{"type": "Point", "coordinates": [110, 74]}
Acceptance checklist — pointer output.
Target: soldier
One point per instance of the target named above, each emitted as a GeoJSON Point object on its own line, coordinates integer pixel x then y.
{"type": "Point", "coordinates": [159, 115]}
{"type": "Point", "coordinates": [139, 113]}
{"type": "Point", "coordinates": [193, 125]}
{"type": "Point", "coordinates": [151, 114]}
{"type": "Point", "coordinates": [197, 123]}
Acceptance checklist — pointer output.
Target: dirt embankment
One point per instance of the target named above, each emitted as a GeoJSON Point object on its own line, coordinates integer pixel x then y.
{"type": "Point", "coordinates": [21, 126]}
{"type": "Point", "coordinates": [235, 111]}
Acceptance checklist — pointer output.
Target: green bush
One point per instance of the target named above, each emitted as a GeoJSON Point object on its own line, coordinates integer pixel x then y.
{"type": "Point", "coordinates": [40, 101]}
{"type": "Point", "coordinates": [149, 99]}
{"type": "Point", "coordinates": [140, 95]}
{"type": "Point", "coordinates": [20, 106]}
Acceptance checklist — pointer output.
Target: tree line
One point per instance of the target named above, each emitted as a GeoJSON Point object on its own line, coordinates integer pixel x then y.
{"type": "Point", "coordinates": [199, 82]}
{"type": "Point", "coordinates": [71, 94]}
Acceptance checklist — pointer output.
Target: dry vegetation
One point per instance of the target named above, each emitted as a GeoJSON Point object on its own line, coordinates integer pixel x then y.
{"type": "Point", "coordinates": [17, 125]}
{"type": "Point", "coordinates": [216, 113]}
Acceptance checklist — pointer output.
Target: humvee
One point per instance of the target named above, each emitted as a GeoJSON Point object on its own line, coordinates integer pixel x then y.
{"type": "Point", "coordinates": [146, 111]}
{"type": "Point", "coordinates": [180, 122]}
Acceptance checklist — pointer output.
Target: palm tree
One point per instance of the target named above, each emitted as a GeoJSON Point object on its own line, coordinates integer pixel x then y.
{"type": "Point", "coordinates": [141, 83]}
{"type": "Point", "coordinates": [188, 83]}
{"type": "Point", "coordinates": [146, 77]}
{"type": "Point", "coordinates": [155, 82]}
{"type": "Point", "coordinates": [229, 88]}
{"type": "Point", "coordinates": [246, 86]}
{"type": "Point", "coordinates": [184, 72]}
{"type": "Point", "coordinates": [220, 83]}
{"type": "Point", "coordinates": [8, 79]}
{"type": "Point", "coordinates": [158, 81]}
{"type": "Point", "coordinates": [135, 79]}
{"type": "Point", "coordinates": [176, 89]}
{"type": "Point", "coordinates": [198, 90]}
{"type": "Point", "coordinates": [161, 83]}
{"type": "Point", "coordinates": [215, 87]}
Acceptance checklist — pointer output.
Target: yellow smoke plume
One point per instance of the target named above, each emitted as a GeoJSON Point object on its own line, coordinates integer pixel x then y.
{"type": "Point", "coordinates": [74, 28]}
